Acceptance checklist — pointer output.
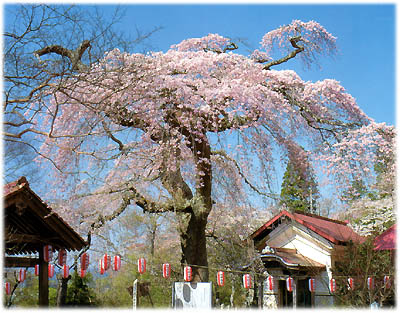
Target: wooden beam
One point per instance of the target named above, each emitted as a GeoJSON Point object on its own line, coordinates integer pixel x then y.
{"type": "Point", "coordinates": [20, 262]}
{"type": "Point", "coordinates": [23, 238]}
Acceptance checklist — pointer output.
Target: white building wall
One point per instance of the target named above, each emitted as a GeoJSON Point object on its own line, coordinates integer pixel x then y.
{"type": "Point", "coordinates": [306, 242]}
{"type": "Point", "coordinates": [309, 249]}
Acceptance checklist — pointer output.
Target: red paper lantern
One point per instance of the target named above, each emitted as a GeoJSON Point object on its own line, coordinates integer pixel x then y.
{"type": "Point", "coordinates": [117, 263]}
{"type": "Point", "coordinates": [47, 253]}
{"type": "Point", "coordinates": [166, 270]}
{"type": "Point", "coordinates": [332, 285]}
{"type": "Point", "coordinates": [220, 278]}
{"type": "Point", "coordinates": [101, 266]}
{"type": "Point", "coordinates": [350, 282]}
{"type": "Point", "coordinates": [37, 270]}
{"type": "Point", "coordinates": [84, 261]}
{"type": "Point", "coordinates": [142, 265]}
{"type": "Point", "coordinates": [311, 285]}
{"type": "Point", "coordinates": [51, 270]}
{"type": "Point", "coordinates": [62, 257]}
{"type": "Point", "coordinates": [106, 262]}
{"type": "Point", "coordinates": [386, 282]}
{"type": "Point", "coordinates": [247, 281]}
{"type": "Point", "coordinates": [65, 271]}
{"type": "Point", "coordinates": [370, 283]}
{"type": "Point", "coordinates": [8, 288]}
{"type": "Point", "coordinates": [82, 273]}
{"type": "Point", "coordinates": [187, 273]}
{"type": "Point", "coordinates": [289, 284]}
{"type": "Point", "coordinates": [270, 283]}
{"type": "Point", "coordinates": [21, 275]}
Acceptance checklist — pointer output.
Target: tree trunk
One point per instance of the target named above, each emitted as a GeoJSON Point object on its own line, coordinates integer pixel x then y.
{"type": "Point", "coordinates": [62, 291]}
{"type": "Point", "coordinates": [193, 244]}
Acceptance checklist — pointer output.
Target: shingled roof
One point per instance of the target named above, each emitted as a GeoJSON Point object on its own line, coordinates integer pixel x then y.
{"type": "Point", "coordinates": [30, 223]}
{"type": "Point", "coordinates": [335, 231]}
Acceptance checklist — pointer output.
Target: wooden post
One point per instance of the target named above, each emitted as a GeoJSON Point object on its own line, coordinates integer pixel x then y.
{"type": "Point", "coordinates": [295, 293]}
{"type": "Point", "coordinates": [43, 281]}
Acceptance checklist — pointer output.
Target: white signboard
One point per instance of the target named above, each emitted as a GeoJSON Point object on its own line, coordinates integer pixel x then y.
{"type": "Point", "coordinates": [135, 295]}
{"type": "Point", "coordinates": [192, 295]}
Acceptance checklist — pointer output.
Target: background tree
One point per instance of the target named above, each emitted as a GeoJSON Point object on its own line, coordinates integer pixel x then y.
{"type": "Point", "coordinates": [299, 190]}
{"type": "Point", "coordinates": [43, 43]}
{"type": "Point", "coordinates": [81, 292]}
{"type": "Point", "coordinates": [361, 262]}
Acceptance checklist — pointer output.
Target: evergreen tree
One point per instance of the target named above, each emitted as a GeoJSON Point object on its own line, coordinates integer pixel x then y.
{"type": "Point", "coordinates": [299, 190]}
{"type": "Point", "coordinates": [79, 292]}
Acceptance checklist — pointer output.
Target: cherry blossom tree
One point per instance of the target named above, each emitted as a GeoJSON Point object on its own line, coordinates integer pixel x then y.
{"type": "Point", "coordinates": [363, 165]}
{"type": "Point", "coordinates": [168, 132]}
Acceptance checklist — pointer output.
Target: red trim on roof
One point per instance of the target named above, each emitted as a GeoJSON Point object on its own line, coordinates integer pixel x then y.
{"type": "Point", "coordinates": [267, 224]}
{"type": "Point", "coordinates": [332, 230]}
{"type": "Point", "coordinates": [386, 240]}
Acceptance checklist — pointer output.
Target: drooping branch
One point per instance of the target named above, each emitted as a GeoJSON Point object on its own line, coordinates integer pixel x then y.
{"type": "Point", "coordinates": [315, 121]}
{"type": "Point", "coordinates": [223, 154]}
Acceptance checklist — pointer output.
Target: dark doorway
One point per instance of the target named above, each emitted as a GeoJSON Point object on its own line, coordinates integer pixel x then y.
{"type": "Point", "coordinates": [285, 296]}
{"type": "Point", "coordinates": [304, 298]}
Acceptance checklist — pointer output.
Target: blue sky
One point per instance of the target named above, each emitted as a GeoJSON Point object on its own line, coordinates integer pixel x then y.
{"type": "Point", "coordinates": [365, 64]}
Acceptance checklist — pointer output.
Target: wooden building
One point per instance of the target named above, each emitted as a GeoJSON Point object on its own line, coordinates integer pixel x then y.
{"type": "Point", "coordinates": [301, 246]}
{"type": "Point", "coordinates": [29, 225]}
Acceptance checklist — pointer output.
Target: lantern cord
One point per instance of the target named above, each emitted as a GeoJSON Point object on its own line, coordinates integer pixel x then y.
{"type": "Point", "coordinates": [262, 275]}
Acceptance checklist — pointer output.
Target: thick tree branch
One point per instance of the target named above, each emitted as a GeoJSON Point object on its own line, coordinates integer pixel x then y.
{"type": "Point", "coordinates": [291, 55]}
{"type": "Point", "coordinates": [110, 134]}
{"type": "Point", "coordinates": [74, 56]}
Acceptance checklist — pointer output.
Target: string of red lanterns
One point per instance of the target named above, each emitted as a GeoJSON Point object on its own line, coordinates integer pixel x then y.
{"type": "Point", "coordinates": [105, 264]}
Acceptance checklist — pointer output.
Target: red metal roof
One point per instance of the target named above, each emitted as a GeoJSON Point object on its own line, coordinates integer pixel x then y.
{"type": "Point", "coordinates": [386, 240]}
{"type": "Point", "coordinates": [333, 230]}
